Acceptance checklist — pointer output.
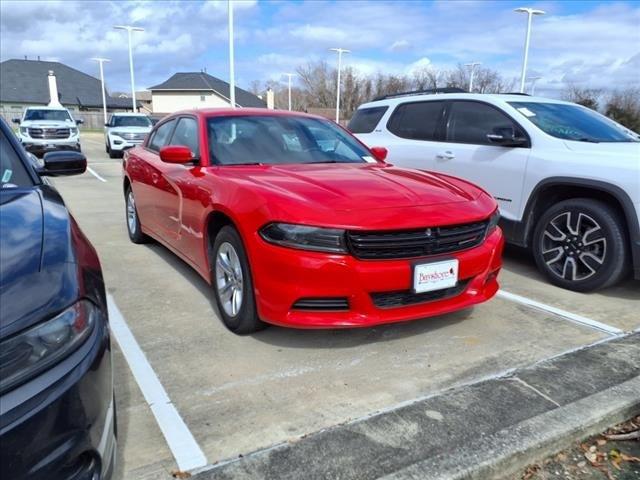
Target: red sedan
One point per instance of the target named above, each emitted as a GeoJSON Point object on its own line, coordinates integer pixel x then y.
{"type": "Point", "coordinates": [294, 222]}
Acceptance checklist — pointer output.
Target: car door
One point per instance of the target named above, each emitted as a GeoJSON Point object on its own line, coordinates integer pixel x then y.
{"type": "Point", "coordinates": [150, 190]}
{"type": "Point", "coordinates": [180, 211]}
{"type": "Point", "coordinates": [412, 134]}
{"type": "Point", "coordinates": [467, 152]}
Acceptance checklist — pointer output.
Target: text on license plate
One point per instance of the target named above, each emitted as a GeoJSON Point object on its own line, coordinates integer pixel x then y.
{"type": "Point", "coordinates": [428, 277]}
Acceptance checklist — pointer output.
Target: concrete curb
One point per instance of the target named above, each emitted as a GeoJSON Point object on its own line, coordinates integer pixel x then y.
{"type": "Point", "coordinates": [488, 429]}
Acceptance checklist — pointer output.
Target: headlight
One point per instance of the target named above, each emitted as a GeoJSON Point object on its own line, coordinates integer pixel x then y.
{"type": "Point", "coordinates": [493, 221]}
{"type": "Point", "coordinates": [305, 238]}
{"type": "Point", "coordinates": [29, 353]}
{"type": "Point", "coordinates": [73, 130]}
{"type": "Point", "coordinates": [116, 134]}
{"type": "Point", "coordinates": [24, 131]}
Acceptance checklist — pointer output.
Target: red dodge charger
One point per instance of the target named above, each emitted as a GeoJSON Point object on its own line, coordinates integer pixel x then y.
{"type": "Point", "coordinates": [294, 222]}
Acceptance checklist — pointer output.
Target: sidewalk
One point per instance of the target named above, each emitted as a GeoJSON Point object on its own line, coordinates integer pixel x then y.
{"type": "Point", "coordinates": [489, 429]}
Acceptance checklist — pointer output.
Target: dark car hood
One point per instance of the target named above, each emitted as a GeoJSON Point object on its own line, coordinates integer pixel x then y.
{"type": "Point", "coordinates": [39, 274]}
{"type": "Point", "coordinates": [348, 187]}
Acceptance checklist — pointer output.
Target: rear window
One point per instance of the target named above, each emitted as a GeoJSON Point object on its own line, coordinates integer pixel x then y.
{"type": "Point", "coordinates": [366, 119]}
{"type": "Point", "coordinates": [417, 120]}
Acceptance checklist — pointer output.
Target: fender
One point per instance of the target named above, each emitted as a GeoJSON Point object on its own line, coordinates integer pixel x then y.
{"type": "Point", "coordinates": [519, 233]}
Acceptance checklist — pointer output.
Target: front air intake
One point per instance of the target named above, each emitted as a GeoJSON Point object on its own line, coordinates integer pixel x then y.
{"type": "Point", "coordinates": [325, 304]}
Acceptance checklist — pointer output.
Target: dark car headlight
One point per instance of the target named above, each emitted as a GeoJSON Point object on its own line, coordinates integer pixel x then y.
{"type": "Point", "coordinates": [493, 221]}
{"type": "Point", "coordinates": [29, 353]}
{"type": "Point", "coordinates": [305, 238]}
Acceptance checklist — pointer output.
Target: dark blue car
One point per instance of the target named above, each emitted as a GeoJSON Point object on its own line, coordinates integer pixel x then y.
{"type": "Point", "coordinates": [57, 410]}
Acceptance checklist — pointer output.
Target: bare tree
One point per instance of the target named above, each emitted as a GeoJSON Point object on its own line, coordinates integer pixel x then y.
{"type": "Point", "coordinates": [623, 106]}
{"type": "Point", "coordinates": [588, 97]}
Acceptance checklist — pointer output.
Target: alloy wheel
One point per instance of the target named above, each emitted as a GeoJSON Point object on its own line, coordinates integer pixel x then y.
{"type": "Point", "coordinates": [574, 246]}
{"type": "Point", "coordinates": [229, 279]}
{"type": "Point", "coordinates": [131, 212]}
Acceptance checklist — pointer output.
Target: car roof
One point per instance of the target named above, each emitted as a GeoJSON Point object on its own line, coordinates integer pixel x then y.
{"type": "Point", "coordinates": [45, 108]}
{"type": "Point", "coordinates": [230, 112]}
{"type": "Point", "coordinates": [495, 98]}
{"type": "Point", "coordinates": [128, 114]}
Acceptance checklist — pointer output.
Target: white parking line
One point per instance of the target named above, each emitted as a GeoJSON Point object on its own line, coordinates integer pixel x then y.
{"type": "Point", "coordinates": [572, 317]}
{"type": "Point", "coordinates": [183, 446]}
{"type": "Point", "coordinates": [95, 174]}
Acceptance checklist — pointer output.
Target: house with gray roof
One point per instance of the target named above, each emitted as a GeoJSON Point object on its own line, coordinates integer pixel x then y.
{"type": "Point", "coordinates": [24, 83]}
{"type": "Point", "coordinates": [188, 90]}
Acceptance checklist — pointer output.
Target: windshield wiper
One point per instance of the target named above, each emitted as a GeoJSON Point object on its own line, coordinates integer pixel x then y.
{"type": "Point", "coordinates": [588, 140]}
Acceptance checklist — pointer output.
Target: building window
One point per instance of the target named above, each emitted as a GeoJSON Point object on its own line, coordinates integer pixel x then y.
{"type": "Point", "coordinates": [202, 98]}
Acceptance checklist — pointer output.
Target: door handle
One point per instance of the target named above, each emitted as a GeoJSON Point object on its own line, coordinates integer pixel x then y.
{"type": "Point", "coordinates": [446, 155]}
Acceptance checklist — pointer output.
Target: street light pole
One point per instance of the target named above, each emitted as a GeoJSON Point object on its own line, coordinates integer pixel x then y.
{"type": "Point", "coordinates": [104, 95]}
{"type": "Point", "coordinates": [130, 29]}
{"type": "Point", "coordinates": [340, 52]}
{"type": "Point", "coordinates": [472, 66]}
{"type": "Point", "coordinates": [290, 75]}
{"type": "Point", "coordinates": [232, 75]}
{"type": "Point", "coordinates": [533, 81]}
{"type": "Point", "coordinates": [530, 13]}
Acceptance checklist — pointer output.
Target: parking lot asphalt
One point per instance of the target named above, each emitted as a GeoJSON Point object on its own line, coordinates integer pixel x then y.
{"type": "Point", "coordinates": [240, 394]}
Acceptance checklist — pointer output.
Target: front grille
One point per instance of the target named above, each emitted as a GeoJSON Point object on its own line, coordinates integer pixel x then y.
{"type": "Point", "coordinates": [49, 133]}
{"type": "Point", "coordinates": [404, 298]}
{"type": "Point", "coordinates": [134, 136]}
{"type": "Point", "coordinates": [415, 243]}
{"type": "Point", "coordinates": [322, 303]}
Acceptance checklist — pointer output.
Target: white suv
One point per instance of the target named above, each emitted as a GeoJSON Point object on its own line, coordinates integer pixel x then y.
{"type": "Point", "coordinates": [46, 129]}
{"type": "Point", "coordinates": [567, 178]}
{"type": "Point", "coordinates": [125, 130]}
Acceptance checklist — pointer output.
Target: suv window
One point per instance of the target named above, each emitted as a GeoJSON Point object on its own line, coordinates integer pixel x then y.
{"type": "Point", "coordinates": [13, 173]}
{"type": "Point", "coordinates": [161, 135]}
{"type": "Point", "coordinates": [470, 122]}
{"type": "Point", "coordinates": [130, 121]}
{"type": "Point", "coordinates": [416, 120]}
{"type": "Point", "coordinates": [50, 115]}
{"type": "Point", "coordinates": [365, 119]}
{"type": "Point", "coordinates": [186, 134]}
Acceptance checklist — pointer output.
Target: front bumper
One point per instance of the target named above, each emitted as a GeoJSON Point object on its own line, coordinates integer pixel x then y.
{"type": "Point", "coordinates": [61, 424]}
{"type": "Point", "coordinates": [118, 144]}
{"type": "Point", "coordinates": [41, 146]}
{"type": "Point", "coordinates": [282, 276]}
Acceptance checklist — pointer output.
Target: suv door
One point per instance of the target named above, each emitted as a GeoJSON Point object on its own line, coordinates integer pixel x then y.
{"type": "Point", "coordinates": [467, 152]}
{"type": "Point", "coordinates": [413, 131]}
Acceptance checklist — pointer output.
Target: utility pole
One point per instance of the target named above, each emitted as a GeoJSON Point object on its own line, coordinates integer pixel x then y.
{"type": "Point", "coordinates": [472, 67]}
{"type": "Point", "coordinates": [232, 75]}
{"type": "Point", "coordinates": [340, 51]}
{"type": "Point", "coordinates": [530, 13]}
{"type": "Point", "coordinates": [104, 95]}
{"type": "Point", "coordinates": [130, 29]}
{"type": "Point", "coordinates": [290, 75]}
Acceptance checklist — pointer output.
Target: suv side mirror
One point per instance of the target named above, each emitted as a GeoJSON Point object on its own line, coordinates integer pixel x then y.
{"type": "Point", "coordinates": [506, 136]}
{"type": "Point", "coordinates": [176, 154]}
{"type": "Point", "coordinates": [58, 164]}
{"type": "Point", "coordinates": [79, 122]}
{"type": "Point", "coordinates": [379, 153]}
{"type": "Point", "coordinates": [15, 120]}
{"type": "Point", "coordinates": [107, 124]}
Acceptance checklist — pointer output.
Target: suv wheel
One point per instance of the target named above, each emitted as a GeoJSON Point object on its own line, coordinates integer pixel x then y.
{"type": "Point", "coordinates": [232, 283]}
{"type": "Point", "coordinates": [580, 244]}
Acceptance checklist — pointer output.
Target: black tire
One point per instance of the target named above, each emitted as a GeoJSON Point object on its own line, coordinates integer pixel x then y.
{"type": "Point", "coordinates": [245, 320]}
{"type": "Point", "coordinates": [113, 153]}
{"type": "Point", "coordinates": [106, 148]}
{"type": "Point", "coordinates": [133, 224]}
{"type": "Point", "coordinates": [580, 244]}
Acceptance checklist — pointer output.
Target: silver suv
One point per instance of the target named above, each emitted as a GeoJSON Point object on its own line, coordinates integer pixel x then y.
{"type": "Point", "coordinates": [46, 129]}
{"type": "Point", "coordinates": [125, 130]}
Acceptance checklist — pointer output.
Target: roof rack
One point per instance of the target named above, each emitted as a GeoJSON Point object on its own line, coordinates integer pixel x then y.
{"type": "Point", "coordinates": [432, 91]}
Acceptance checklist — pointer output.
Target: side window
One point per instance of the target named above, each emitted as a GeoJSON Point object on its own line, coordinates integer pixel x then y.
{"type": "Point", "coordinates": [470, 122]}
{"type": "Point", "coordinates": [186, 133]}
{"type": "Point", "coordinates": [365, 119]}
{"type": "Point", "coordinates": [416, 120]}
{"type": "Point", "coordinates": [13, 172]}
{"type": "Point", "coordinates": [161, 135]}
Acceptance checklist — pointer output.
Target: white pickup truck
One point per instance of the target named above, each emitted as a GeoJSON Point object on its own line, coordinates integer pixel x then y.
{"type": "Point", "coordinates": [46, 129]}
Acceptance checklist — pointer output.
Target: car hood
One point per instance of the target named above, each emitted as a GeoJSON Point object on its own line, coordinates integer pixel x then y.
{"type": "Point", "coordinates": [626, 150]}
{"type": "Point", "coordinates": [46, 124]}
{"type": "Point", "coordinates": [39, 272]}
{"type": "Point", "coordinates": [130, 129]}
{"type": "Point", "coordinates": [348, 187]}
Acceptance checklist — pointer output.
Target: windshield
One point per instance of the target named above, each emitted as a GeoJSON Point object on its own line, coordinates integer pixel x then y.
{"type": "Point", "coordinates": [275, 140]}
{"type": "Point", "coordinates": [131, 121]}
{"type": "Point", "coordinates": [572, 122]}
{"type": "Point", "coordinates": [52, 115]}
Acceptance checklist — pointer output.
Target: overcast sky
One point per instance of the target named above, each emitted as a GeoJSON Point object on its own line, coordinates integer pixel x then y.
{"type": "Point", "coordinates": [590, 43]}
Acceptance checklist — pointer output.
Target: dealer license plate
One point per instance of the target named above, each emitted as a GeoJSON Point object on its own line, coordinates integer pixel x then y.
{"type": "Point", "coordinates": [428, 277]}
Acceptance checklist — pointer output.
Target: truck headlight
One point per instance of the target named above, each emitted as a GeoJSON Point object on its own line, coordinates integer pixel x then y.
{"type": "Point", "coordinates": [305, 238]}
{"type": "Point", "coordinates": [73, 131]}
{"type": "Point", "coordinates": [24, 131]}
{"type": "Point", "coordinates": [39, 348]}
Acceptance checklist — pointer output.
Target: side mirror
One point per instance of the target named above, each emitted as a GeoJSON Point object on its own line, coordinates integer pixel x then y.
{"type": "Point", "coordinates": [379, 153]}
{"type": "Point", "coordinates": [176, 154]}
{"type": "Point", "coordinates": [15, 120]}
{"type": "Point", "coordinates": [58, 164]}
{"type": "Point", "coordinates": [506, 137]}
{"type": "Point", "coordinates": [79, 122]}
{"type": "Point", "coordinates": [107, 124]}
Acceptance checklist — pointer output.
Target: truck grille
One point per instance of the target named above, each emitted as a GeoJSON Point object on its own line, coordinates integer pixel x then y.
{"type": "Point", "coordinates": [407, 297]}
{"type": "Point", "coordinates": [49, 133]}
{"type": "Point", "coordinates": [415, 243]}
{"type": "Point", "coordinates": [136, 137]}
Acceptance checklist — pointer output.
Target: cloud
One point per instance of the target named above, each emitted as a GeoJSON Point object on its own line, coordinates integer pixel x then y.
{"type": "Point", "coordinates": [399, 45]}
